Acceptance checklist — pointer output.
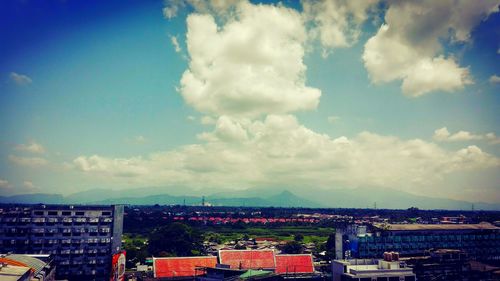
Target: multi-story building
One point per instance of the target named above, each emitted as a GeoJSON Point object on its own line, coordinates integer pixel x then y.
{"type": "Point", "coordinates": [480, 241]}
{"type": "Point", "coordinates": [371, 270]}
{"type": "Point", "coordinates": [82, 239]}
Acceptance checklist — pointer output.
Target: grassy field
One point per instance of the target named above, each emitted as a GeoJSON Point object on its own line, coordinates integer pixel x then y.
{"type": "Point", "coordinates": [285, 233]}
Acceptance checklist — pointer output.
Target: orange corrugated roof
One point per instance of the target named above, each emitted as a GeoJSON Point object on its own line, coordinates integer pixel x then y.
{"type": "Point", "coordinates": [248, 259]}
{"type": "Point", "coordinates": [182, 266]}
{"type": "Point", "coordinates": [294, 264]}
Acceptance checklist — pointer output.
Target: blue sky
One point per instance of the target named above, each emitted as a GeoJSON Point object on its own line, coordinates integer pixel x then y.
{"type": "Point", "coordinates": [96, 95]}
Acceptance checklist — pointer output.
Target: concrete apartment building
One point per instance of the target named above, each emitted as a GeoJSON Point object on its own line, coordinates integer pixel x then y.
{"type": "Point", "coordinates": [480, 241]}
{"type": "Point", "coordinates": [82, 239]}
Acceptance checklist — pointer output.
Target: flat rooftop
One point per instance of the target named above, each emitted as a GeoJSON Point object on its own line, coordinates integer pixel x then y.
{"type": "Point", "coordinates": [417, 227]}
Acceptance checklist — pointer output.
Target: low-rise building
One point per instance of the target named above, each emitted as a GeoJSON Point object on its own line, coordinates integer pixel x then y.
{"type": "Point", "coordinates": [389, 269]}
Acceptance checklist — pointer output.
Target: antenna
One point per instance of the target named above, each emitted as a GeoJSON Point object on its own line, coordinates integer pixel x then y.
{"type": "Point", "coordinates": [473, 207]}
{"type": "Point", "coordinates": [203, 201]}
{"type": "Point", "coordinates": [375, 205]}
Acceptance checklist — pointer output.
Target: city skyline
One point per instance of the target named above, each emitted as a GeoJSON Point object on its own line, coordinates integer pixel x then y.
{"type": "Point", "coordinates": [233, 94]}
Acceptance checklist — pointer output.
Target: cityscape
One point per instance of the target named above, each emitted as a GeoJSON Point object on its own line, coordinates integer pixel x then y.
{"type": "Point", "coordinates": [249, 140]}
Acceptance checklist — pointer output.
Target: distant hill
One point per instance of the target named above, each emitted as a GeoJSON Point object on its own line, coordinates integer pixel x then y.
{"type": "Point", "coordinates": [258, 197]}
{"type": "Point", "coordinates": [34, 198]}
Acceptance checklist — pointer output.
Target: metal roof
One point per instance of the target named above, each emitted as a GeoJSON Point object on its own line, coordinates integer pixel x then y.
{"type": "Point", "coordinates": [294, 264]}
{"type": "Point", "coordinates": [182, 266]}
{"type": "Point", "coordinates": [248, 259]}
{"type": "Point", "coordinates": [36, 264]}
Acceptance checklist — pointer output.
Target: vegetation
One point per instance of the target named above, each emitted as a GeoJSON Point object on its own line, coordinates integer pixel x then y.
{"type": "Point", "coordinates": [292, 247]}
{"type": "Point", "coordinates": [175, 239]}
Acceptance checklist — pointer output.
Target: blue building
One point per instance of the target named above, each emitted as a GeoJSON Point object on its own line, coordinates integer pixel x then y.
{"type": "Point", "coordinates": [480, 241]}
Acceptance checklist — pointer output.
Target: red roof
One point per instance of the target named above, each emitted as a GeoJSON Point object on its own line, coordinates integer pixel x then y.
{"type": "Point", "coordinates": [294, 264]}
{"type": "Point", "coordinates": [181, 266]}
{"type": "Point", "coordinates": [248, 259]}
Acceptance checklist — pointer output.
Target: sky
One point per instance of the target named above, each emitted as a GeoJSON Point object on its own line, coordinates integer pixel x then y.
{"type": "Point", "coordinates": [228, 94]}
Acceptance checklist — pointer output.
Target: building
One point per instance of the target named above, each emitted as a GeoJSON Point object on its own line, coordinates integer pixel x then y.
{"type": "Point", "coordinates": [15, 273]}
{"type": "Point", "coordinates": [294, 264]}
{"type": "Point", "coordinates": [41, 266]}
{"type": "Point", "coordinates": [480, 241]}
{"type": "Point", "coordinates": [82, 239]}
{"type": "Point", "coordinates": [389, 269]}
{"type": "Point", "coordinates": [182, 267]}
{"type": "Point", "coordinates": [248, 259]}
{"type": "Point", "coordinates": [231, 263]}
{"type": "Point", "coordinates": [451, 265]}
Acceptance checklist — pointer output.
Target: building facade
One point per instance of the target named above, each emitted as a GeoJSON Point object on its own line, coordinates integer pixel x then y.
{"type": "Point", "coordinates": [479, 241]}
{"type": "Point", "coordinates": [371, 270]}
{"type": "Point", "coordinates": [82, 239]}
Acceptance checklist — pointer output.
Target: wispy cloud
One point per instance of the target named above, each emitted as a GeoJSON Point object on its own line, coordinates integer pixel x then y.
{"type": "Point", "coordinates": [332, 119]}
{"type": "Point", "coordinates": [444, 135]}
{"type": "Point", "coordinates": [28, 161]}
{"type": "Point", "coordinates": [4, 184]}
{"type": "Point", "coordinates": [494, 79]}
{"type": "Point", "coordinates": [20, 79]}
{"type": "Point", "coordinates": [32, 147]}
{"type": "Point", "coordinates": [175, 43]}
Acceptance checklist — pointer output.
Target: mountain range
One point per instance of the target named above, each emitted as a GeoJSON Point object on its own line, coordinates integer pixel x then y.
{"type": "Point", "coordinates": [255, 197]}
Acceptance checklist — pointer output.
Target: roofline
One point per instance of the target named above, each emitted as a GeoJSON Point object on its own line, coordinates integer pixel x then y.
{"type": "Point", "coordinates": [194, 257]}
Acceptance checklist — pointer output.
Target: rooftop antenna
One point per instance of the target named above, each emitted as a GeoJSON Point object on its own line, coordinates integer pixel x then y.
{"type": "Point", "coordinates": [203, 201]}
{"type": "Point", "coordinates": [375, 205]}
{"type": "Point", "coordinates": [473, 207]}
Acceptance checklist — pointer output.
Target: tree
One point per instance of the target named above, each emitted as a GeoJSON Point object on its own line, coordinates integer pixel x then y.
{"type": "Point", "coordinates": [292, 247]}
{"type": "Point", "coordinates": [175, 239]}
{"type": "Point", "coordinates": [298, 237]}
{"type": "Point", "coordinates": [330, 246]}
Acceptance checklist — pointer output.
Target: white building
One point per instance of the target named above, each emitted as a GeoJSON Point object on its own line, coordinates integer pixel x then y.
{"type": "Point", "coordinates": [389, 269]}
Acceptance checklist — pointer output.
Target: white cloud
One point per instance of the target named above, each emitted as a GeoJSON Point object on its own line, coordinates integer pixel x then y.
{"type": "Point", "coordinates": [32, 147]}
{"type": "Point", "coordinates": [191, 118]}
{"type": "Point", "coordinates": [336, 23]}
{"type": "Point", "coordinates": [20, 79]}
{"type": "Point", "coordinates": [280, 151]}
{"type": "Point", "coordinates": [245, 68]}
{"type": "Point", "coordinates": [29, 185]}
{"type": "Point", "coordinates": [207, 120]}
{"type": "Point", "coordinates": [333, 119]}
{"type": "Point", "coordinates": [175, 43]}
{"type": "Point", "coordinates": [494, 79]}
{"type": "Point", "coordinates": [140, 139]}
{"type": "Point", "coordinates": [407, 47]}
{"type": "Point", "coordinates": [444, 135]}
{"type": "Point", "coordinates": [221, 8]}
{"type": "Point", "coordinates": [28, 161]}
{"type": "Point", "coordinates": [4, 184]}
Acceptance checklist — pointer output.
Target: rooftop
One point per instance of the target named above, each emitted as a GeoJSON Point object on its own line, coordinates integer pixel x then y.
{"type": "Point", "coordinates": [13, 273]}
{"type": "Point", "coordinates": [248, 259]}
{"type": "Point", "coordinates": [294, 264]}
{"type": "Point", "coordinates": [417, 227]}
{"type": "Point", "coordinates": [182, 266]}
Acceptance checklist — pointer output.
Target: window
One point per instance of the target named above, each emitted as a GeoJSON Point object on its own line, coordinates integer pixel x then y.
{"type": "Point", "coordinates": [79, 213]}
{"type": "Point", "coordinates": [106, 213]}
{"type": "Point", "coordinates": [381, 278]}
{"type": "Point", "coordinates": [66, 213]}
{"type": "Point", "coordinates": [409, 278]}
{"type": "Point", "coordinates": [39, 213]}
{"type": "Point", "coordinates": [52, 213]}
{"type": "Point", "coordinates": [393, 278]}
